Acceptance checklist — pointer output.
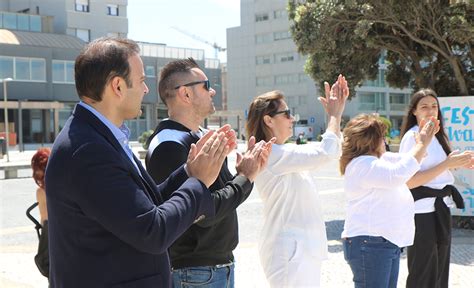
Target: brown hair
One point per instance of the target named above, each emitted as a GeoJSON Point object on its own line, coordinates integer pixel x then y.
{"type": "Point", "coordinates": [262, 105]}
{"type": "Point", "coordinates": [410, 119]}
{"type": "Point", "coordinates": [99, 62]}
{"type": "Point", "coordinates": [171, 73]}
{"type": "Point", "coordinates": [38, 164]}
{"type": "Point", "coordinates": [362, 136]}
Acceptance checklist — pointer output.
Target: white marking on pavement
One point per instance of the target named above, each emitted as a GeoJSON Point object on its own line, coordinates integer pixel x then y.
{"type": "Point", "coordinates": [17, 230]}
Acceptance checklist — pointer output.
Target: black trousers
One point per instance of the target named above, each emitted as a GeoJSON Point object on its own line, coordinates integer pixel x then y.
{"type": "Point", "coordinates": [428, 261]}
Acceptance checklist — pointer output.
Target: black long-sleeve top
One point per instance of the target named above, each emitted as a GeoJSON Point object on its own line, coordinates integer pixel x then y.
{"type": "Point", "coordinates": [209, 241]}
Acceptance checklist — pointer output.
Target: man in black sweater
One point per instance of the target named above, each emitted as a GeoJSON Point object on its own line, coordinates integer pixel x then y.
{"type": "Point", "coordinates": [203, 254]}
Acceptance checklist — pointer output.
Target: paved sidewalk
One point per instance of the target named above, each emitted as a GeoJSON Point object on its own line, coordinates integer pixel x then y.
{"type": "Point", "coordinates": [336, 273]}
{"type": "Point", "coordinates": [17, 268]}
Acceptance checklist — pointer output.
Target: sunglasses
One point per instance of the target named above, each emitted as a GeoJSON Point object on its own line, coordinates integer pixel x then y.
{"type": "Point", "coordinates": [287, 113]}
{"type": "Point", "coordinates": [207, 84]}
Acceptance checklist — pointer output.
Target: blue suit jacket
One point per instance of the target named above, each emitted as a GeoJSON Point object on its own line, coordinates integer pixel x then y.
{"type": "Point", "coordinates": [109, 226]}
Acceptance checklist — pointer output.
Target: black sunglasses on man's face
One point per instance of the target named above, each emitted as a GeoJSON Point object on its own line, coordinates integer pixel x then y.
{"type": "Point", "coordinates": [207, 84]}
{"type": "Point", "coordinates": [287, 113]}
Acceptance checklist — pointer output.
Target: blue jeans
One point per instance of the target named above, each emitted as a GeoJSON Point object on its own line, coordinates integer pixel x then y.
{"type": "Point", "coordinates": [219, 276]}
{"type": "Point", "coordinates": [374, 261]}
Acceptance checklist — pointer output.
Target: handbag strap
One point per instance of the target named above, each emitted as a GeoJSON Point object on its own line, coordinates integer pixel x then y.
{"type": "Point", "coordinates": [33, 219]}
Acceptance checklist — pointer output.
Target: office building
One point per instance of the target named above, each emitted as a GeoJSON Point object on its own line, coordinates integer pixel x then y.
{"type": "Point", "coordinates": [263, 57]}
{"type": "Point", "coordinates": [39, 41]}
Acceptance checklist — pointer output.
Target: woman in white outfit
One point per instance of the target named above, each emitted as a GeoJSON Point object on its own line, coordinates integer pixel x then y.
{"type": "Point", "coordinates": [432, 188]}
{"type": "Point", "coordinates": [380, 209]}
{"type": "Point", "coordinates": [293, 241]}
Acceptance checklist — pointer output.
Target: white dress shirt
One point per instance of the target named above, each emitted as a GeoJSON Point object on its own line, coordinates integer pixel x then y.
{"type": "Point", "coordinates": [291, 203]}
{"type": "Point", "coordinates": [435, 155]}
{"type": "Point", "coordinates": [379, 202]}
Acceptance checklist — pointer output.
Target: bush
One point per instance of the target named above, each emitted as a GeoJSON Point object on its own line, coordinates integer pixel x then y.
{"type": "Point", "coordinates": [387, 123]}
{"type": "Point", "coordinates": [143, 139]}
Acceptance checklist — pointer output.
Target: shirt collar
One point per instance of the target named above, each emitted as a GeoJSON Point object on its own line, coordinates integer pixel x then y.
{"type": "Point", "coordinates": [121, 133]}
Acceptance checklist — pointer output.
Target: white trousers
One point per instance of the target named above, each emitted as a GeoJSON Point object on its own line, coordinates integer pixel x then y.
{"type": "Point", "coordinates": [287, 264]}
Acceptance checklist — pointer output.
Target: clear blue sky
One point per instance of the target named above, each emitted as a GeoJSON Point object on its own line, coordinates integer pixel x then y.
{"type": "Point", "coordinates": [151, 21]}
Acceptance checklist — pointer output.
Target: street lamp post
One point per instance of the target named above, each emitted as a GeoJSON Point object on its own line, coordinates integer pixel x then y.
{"type": "Point", "coordinates": [7, 132]}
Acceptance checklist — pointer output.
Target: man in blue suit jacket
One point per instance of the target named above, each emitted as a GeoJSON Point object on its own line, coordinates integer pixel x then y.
{"type": "Point", "coordinates": [109, 224]}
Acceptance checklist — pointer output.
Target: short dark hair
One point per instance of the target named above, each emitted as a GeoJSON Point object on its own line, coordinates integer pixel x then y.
{"type": "Point", "coordinates": [171, 73]}
{"type": "Point", "coordinates": [99, 62]}
{"type": "Point", "coordinates": [262, 105]}
{"type": "Point", "coordinates": [410, 119]}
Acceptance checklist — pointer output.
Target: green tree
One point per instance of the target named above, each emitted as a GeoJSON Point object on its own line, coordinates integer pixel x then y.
{"type": "Point", "coordinates": [388, 124]}
{"type": "Point", "coordinates": [428, 43]}
{"type": "Point", "coordinates": [143, 139]}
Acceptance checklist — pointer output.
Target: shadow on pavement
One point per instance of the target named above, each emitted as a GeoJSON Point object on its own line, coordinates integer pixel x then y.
{"type": "Point", "coordinates": [462, 249]}
{"type": "Point", "coordinates": [333, 231]}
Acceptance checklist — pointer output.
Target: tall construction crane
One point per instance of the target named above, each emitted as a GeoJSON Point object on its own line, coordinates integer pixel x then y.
{"type": "Point", "coordinates": [214, 45]}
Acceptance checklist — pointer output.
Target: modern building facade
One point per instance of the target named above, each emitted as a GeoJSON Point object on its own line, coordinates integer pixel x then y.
{"type": "Point", "coordinates": [85, 19]}
{"type": "Point", "coordinates": [262, 57]}
{"type": "Point", "coordinates": [37, 51]}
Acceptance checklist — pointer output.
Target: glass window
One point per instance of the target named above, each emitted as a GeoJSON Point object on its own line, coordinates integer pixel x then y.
{"type": "Point", "coordinates": [64, 114]}
{"type": "Point", "coordinates": [265, 59]}
{"type": "Point", "coordinates": [160, 51]}
{"type": "Point", "coordinates": [6, 67]}
{"type": "Point", "coordinates": [35, 23]}
{"type": "Point", "coordinates": [82, 5]}
{"type": "Point", "coordinates": [63, 71]}
{"type": "Point", "coordinates": [154, 51]}
{"type": "Point", "coordinates": [9, 21]}
{"type": "Point", "coordinates": [398, 98]}
{"type": "Point", "coordinates": [281, 35]}
{"type": "Point", "coordinates": [263, 38]}
{"type": "Point", "coordinates": [1, 20]}
{"type": "Point", "coordinates": [286, 79]}
{"type": "Point", "coordinates": [285, 57]}
{"type": "Point", "coordinates": [174, 53]}
{"type": "Point", "coordinates": [264, 81]}
{"type": "Point", "coordinates": [58, 71]}
{"type": "Point", "coordinates": [261, 17]}
{"type": "Point", "coordinates": [281, 79]}
{"type": "Point", "coordinates": [83, 34]}
{"type": "Point", "coordinates": [181, 53]}
{"type": "Point", "coordinates": [371, 101]}
{"type": "Point", "coordinates": [112, 10]}
{"type": "Point", "coordinates": [367, 98]}
{"type": "Point", "coordinates": [70, 72]}
{"type": "Point", "coordinates": [22, 69]}
{"type": "Point", "coordinates": [150, 71]}
{"type": "Point", "coordinates": [82, 8]}
{"type": "Point", "coordinates": [303, 77]}
{"type": "Point", "coordinates": [280, 14]}
{"type": "Point", "coordinates": [38, 70]}
{"type": "Point", "coordinates": [23, 22]}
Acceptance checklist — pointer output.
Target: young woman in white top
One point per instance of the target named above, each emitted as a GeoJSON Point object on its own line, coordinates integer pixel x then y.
{"type": "Point", "coordinates": [380, 209]}
{"type": "Point", "coordinates": [293, 240]}
{"type": "Point", "coordinates": [428, 258]}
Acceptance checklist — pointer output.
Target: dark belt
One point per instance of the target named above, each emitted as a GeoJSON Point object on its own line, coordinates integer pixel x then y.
{"type": "Point", "coordinates": [442, 212]}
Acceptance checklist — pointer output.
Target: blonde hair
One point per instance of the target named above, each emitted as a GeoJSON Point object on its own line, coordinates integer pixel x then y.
{"type": "Point", "coordinates": [362, 136]}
